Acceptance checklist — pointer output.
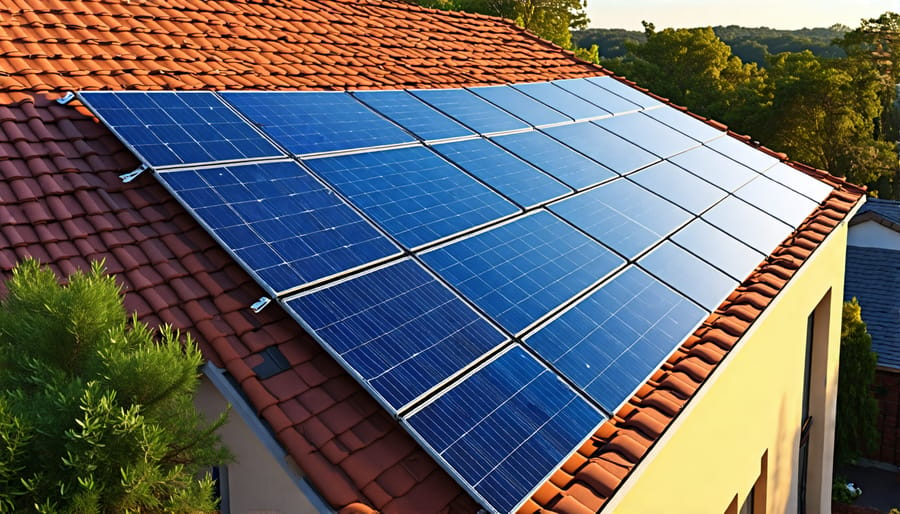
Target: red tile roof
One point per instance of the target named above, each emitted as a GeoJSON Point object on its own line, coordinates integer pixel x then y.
{"type": "Point", "coordinates": [62, 202]}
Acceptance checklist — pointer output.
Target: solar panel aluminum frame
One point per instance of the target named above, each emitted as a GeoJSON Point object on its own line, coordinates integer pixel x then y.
{"type": "Point", "coordinates": [559, 313]}
{"type": "Point", "coordinates": [262, 283]}
{"type": "Point", "coordinates": [455, 474]}
{"type": "Point", "coordinates": [430, 392]}
{"type": "Point", "coordinates": [145, 162]}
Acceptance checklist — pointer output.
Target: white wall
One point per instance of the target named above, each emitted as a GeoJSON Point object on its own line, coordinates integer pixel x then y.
{"type": "Point", "coordinates": [874, 235]}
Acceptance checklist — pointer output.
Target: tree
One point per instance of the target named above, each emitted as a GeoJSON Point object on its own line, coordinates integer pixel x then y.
{"type": "Point", "coordinates": [96, 410]}
{"type": "Point", "coordinates": [857, 409]}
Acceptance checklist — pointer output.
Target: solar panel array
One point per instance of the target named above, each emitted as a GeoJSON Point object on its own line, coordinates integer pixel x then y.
{"type": "Point", "coordinates": [501, 267]}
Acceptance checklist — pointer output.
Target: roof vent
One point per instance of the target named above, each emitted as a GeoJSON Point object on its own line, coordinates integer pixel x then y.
{"type": "Point", "coordinates": [274, 362]}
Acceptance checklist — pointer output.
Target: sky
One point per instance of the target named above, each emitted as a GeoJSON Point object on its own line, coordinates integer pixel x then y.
{"type": "Point", "coordinates": [777, 14]}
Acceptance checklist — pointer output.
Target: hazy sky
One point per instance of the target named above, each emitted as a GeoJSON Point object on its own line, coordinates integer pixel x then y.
{"type": "Point", "coordinates": [779, 14]}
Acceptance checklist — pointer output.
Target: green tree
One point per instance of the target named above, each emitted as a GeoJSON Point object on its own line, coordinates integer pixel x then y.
{"type": "Point", "coordinates": [96, 410]}
{"type": "Point", "coordinates": [857, 409]}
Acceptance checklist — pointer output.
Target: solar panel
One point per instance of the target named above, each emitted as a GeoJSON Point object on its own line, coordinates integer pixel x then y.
{"type": "Point", "coordinates": [622, 215]}
{"type": "Point", "coordinates": [280, 222]}
{"type": "Point", "coordinates": [608, 343]}
{"type": "Point", "coordinates": [470, 110]}
{"type": "Point", "coordinates": [410, 113]}
{"type": "Point", "coordinates": [520, 271]}
{"type": "Point", "coordinates": [504, 429]}
{"type": "Point", "coordinates": [800, 182]}
{"type": "Point", "coordinates": [563, 101]}
{"type": "Point", "coordinates": [748, 224]}
{"type": "Point", "coordinates": [743, 153]}
{"type": "Point", "coordinates": [597, 95]}
{"type": "Point", "coordinates": [412, 193]}
{"type": "Point", "coordinates": [603, 146]}
{"type": "Point", "coordinates": [718, 248]}
{"type": "Point", "coordinates": [648, 133]}
{"type": "Point", "coordinates": [520, 104]}
{"type": "Point", "coordinates": [678, 186]}
{"type": "Point", "coordinates": [555, 158]}
{"type": "Point", "coordinates": [397, 329]}
{"type": "Point", "coordinates": [715, 168]}
{"type": "Point", "coordinates": [168, 128]}
{"type": "Point", "coordinates": [306, 122]}
{"type": "Point", "coordinates": [512, 177]}
{"type": "Point", "coordinates": [777, 200]}
{"type": "Point", "coordinates": [689, 275]}
{"type": "Point", "coordinates": [685, 123]}
{"type": "Point", "coordinates": [626, 92]}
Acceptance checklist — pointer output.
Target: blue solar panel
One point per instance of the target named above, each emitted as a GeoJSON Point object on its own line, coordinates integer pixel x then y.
{"type": "Point", "coordinates": [748, 224]}
{"type": "Point", "coordinates": [611, 341]}
{"type": "Point", "coordinates": [307, 122]}
{"type": "Point", "coordinates": [678, 186]}
{"type": "Point", "coordinates": [412, 193]}
{"type": "Point", "coordinates": [715, 168]}
{"type": "Point", "coordinates": [685, 123]}
{"type": "Point", "coordinates": [169, 128]}
{"type": "Point", "coordinates": [743, 153]}
{"type": "Point", "coordinates": [470, 110]}
{"type": "Point", "coordinates": [397, 329]}
{"type": "Point", "coordinates": [718, 248]}
{"type": "Point", "coordinates": [504, 429]}
{"type": "Point", "coordinates": [522, 270]}
{"type": "Point", "coordinates": [603, 146]}
{"type": "Point", "coordinates": [410, 113]}
{"type": "Point", "coordinates": [622, 215]}
{"type": "Point", "coordinates": [597, 95]}
{"type": "Point", "coordinates": [520, 104]}
{"type": "Point", "coordinates": [283, 224]}
{"type": "Point", "coordinates": [689, 275]}
{"type": "Point", "coordinates": [563, 101]}
{"type": "Point", "coordinates": [629, 93]}
{"type": "Point", "coordinates": [555, 158]}
{"type": "Point", "coordinates": [649, 134]}
{"type": "Point", "coordinates": [815, 190]}
{"type": "Point", "coordinates": [512, 177]}
{"type": "Point", "coordinates": [779, 201]}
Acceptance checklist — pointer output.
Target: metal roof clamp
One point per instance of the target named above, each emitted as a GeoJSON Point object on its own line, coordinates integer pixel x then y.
{"type": "Point", "coordinates": [260, 304]}
{"type": "Point", "coordinates": [66, 99]}
{"type": "Point", "coordinates": [128, 177]}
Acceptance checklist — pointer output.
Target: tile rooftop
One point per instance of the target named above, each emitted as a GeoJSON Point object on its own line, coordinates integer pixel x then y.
{"type": "Point", "coordinates": [62, 202]}
{"type": "Point", "coordinates": [887, 212]}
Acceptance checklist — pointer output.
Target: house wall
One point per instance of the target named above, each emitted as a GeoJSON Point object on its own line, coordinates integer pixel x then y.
{"type": "Point", "coordinates": [874, 235]}
{"type": "Point", "coordinates": [256, 482]}
{"type": "Point", "coordinates": [747, 417]}
{"type": "Point", "coordinates": [887, 391]}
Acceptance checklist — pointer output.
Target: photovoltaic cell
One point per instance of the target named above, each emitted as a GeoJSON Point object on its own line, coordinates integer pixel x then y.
{"type": "Point", "coordinates": [555, 158]}
{"type": "Point", "coordinates": [307, 122]}
{"type": "Point", "coordinates": [777, 200]}
{"type": "Point", "coordinates": [748, 224]}
{"type": "Point", "coordinates": [800, 182]}
{"type": "Point", "coordinates": [521, 105]}
{"type": "Point", "coordinates": [412, 114]}
{"type": "Point", "coordinates": [597, 95]}
{"type": "Point", "coordinates": [397, 328]}
{"type": "Point", "coordinates": [520, 271]}
{"type": "Point", "coordinates": [622, 215]}
{"type": "Point", "coordinates": [283, 224]}
{"type": "Point", "coordinates": [175, 128]}
{"type": "Point", "coordinates": [648, 133]}
{"type": "Point", "coordinates": [470, 110]}
{"type": "Point", "coordinates": [715, 168]}
{"type": "Point", "coordinates": [504, 429]}
{"type": "Point", "coordinates": [626, 92]}
{"type": "Point", "coordinates": [563, 101]}
{"type": "Point", "coordinates": [718, 248]}
{"type": "Point", "coordinates": [610, 342]}
{"type": "Point", "coordinates": [680, 187]}
{"type": "Point", "coordinates": [743, 153]}
{"type": "Point", "coordinates": [685, 123]}
{"type": "Point", "coordinates": [689, 275]}
{"type": "Point", "coordinates": [415, 195]}
{"type": "Point", "coordinates": [512, 177]}
{"type": "Point", "coordinates": [603, 146]}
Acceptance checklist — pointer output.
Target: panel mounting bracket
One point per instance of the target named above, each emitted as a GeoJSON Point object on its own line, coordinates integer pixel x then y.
{"type": "Point", "coordinates": [128, 177]}
{"type": "Point", "coordinates": [66, 99]}
{"type": "Point", "coordinates": [260, 304]}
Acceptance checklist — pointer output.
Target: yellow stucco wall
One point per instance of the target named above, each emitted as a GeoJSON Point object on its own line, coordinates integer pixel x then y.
{"type": "Point", "coordinates": [752, 404]}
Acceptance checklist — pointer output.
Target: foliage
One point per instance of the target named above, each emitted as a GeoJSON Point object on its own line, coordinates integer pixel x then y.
{"type": "Point", "coordinates": [857, 409]}
{"type": "Point", "coordinates": [841, 492]}
{"type": "Point", "coordinates": [96, 410]}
